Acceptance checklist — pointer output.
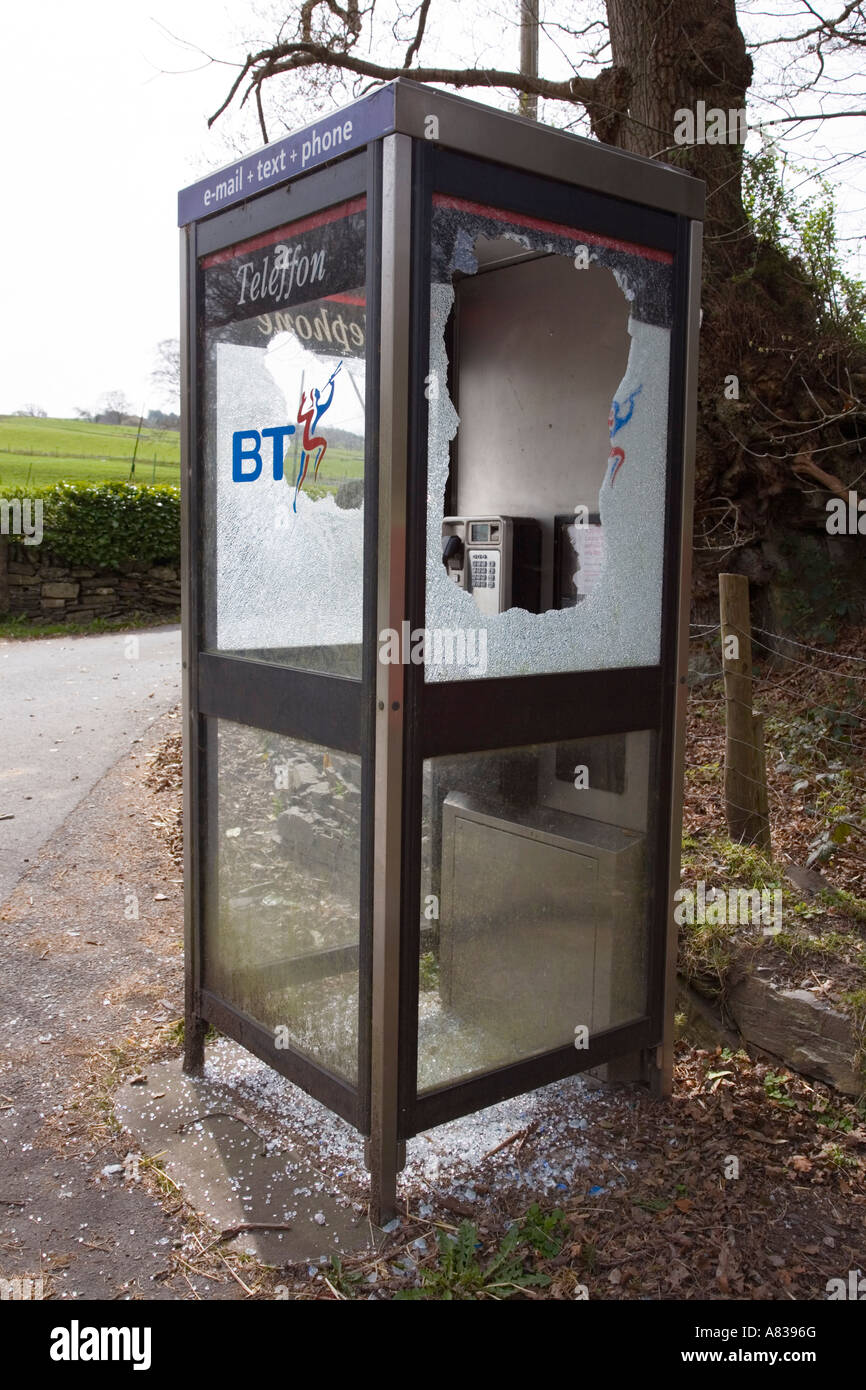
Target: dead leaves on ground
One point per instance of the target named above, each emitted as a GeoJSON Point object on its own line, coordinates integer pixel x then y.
{"type": "Point", "coordinates": [726, 1191]}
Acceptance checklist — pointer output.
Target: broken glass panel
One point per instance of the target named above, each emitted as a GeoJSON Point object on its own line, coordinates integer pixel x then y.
{"type": "Point", "coordinates": [284, 383]}
{"type": "Point", "coordinates": [548, 409]}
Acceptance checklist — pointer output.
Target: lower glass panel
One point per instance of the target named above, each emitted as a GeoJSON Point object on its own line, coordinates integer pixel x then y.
{"type": "Point", "coordinates": [535, 901]}
{"type": "Point", "coordinates": [281, 928]}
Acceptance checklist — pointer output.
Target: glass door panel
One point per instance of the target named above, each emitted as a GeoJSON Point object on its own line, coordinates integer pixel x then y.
{"type": "Point", "coordinates": [278, 527]}
{"type": "Point", "coordinates": [284, 351]}
{"type": "Point", "coordinates": [281, 925]}
{"type": "Point", "coordinates": [534, 901]}
{"type": "Point", "coordinates": [547, 446]}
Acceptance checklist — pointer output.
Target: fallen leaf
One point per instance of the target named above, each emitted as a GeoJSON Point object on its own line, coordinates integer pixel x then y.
{"type": "Point", "coordinates": [459, 1208]}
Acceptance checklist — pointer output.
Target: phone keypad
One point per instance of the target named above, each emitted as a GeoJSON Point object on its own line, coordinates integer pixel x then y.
{"type": "Point", "coordinates": [483, 571]}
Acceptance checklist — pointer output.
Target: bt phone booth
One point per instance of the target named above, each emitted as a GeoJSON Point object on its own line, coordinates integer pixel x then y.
{"type": "Point", "coordinates": [439, 405]}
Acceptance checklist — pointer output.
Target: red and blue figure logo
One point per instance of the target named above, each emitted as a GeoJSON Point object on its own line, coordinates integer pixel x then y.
{"type": "Point", "coordinates": [309, 418]}
{"type": "Point", "coordinates": [247, 444]}
{"type": "Point", "coordinates": [619, 416]}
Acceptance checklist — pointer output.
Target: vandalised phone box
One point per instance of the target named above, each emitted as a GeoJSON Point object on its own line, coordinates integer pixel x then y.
{"type": "Point", "coordinates": [439, 391]}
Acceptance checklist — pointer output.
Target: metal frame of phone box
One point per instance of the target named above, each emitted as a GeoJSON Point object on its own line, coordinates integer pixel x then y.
{"type": "Point", "coordinates": [391, 717]}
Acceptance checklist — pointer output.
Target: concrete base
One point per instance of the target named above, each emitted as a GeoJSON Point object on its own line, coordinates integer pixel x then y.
{"type": "Point", "coordinates": [226, 1172]}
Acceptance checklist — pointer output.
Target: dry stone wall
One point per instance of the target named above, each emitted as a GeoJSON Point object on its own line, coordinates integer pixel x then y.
{"type": "Point", "coordinates": [36, 585]}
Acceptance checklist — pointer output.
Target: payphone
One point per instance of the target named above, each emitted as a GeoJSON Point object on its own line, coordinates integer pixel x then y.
{"type": "Point", "coordinates": [496, 558]}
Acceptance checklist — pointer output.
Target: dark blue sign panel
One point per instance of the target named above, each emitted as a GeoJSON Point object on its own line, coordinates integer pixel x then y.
{"type": "Point", "coordinates": [315, 144]}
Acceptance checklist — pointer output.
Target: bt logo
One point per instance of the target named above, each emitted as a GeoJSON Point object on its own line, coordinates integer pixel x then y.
{"type": "Point", "coordinates": [247, 444]}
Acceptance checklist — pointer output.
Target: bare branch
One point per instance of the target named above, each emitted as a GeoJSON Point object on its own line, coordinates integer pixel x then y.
{"type": "Point", "coordinates": [264, 128]}
{"type": "Point", "coordinates": [233, 90]}
{"type": "Point", "coordinates": [826, 30]}
{"type": "Point", "coordinates": [419, 34]}
{"type": "Point", "coordinates": [289, 57]}
{"type": "Point", "coordinates": [816, 116]}
{"type": "Point", "coordinates": [351, 17]}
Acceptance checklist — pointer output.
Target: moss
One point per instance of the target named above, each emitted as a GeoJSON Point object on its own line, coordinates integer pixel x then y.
{"type": "Point", "coordinates": [851, 905]}
{"type": "Point", "coordinates": [701, 771]}
{"type": "Point", "coordinates": [745, 865]}
{"type": "Point", "coordinates": [749, 865]}
{"type": "Point", "coordinates": [806, 948]}
{"type": "Point", "coordinates": [706, 955]}
{"type": "Point", "coordinates": [855, 1003]}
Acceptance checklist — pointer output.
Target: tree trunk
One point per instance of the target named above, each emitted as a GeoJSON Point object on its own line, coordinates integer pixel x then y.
{"type": "Point", "coordinates": [669, 54]}
{"type": "Point", "coordinates": [761, 316]}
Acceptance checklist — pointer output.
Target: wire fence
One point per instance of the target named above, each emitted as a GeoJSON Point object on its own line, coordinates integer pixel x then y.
{"type": "Point", "coordinates": [172, 461]}
{"type": "Point", "coordinates": [815, 699]}
{"type": "Point", "coordinates": [701, 633]}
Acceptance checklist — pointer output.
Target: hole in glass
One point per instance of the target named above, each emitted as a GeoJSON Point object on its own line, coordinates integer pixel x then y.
{"type": "Point", "coordinates": [547, 391]}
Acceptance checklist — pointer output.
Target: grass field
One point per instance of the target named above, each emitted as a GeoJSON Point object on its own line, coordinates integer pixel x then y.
{"type": "Point", "coordinates": [41, 452]}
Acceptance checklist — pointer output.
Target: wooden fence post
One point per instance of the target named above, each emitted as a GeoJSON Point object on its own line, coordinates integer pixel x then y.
{"type": "Point", "coordinates": [746, 803]}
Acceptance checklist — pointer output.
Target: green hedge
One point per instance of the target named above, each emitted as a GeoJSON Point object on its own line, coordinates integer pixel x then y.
{"type": "Point", "coordinates": [108, 524]}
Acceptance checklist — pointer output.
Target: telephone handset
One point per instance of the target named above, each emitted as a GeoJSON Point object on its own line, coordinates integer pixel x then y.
{"type": "Point", "coordinates": [496, 558]}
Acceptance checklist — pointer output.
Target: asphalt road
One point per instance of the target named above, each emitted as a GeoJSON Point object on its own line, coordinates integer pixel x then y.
{"type": "Point", "coordinates": [69, 709]}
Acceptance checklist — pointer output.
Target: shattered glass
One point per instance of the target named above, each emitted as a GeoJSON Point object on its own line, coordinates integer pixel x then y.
{"type": "Point", "coordinates": [524, 408]}
{"type": "Point", "coordinates": [285, 354]}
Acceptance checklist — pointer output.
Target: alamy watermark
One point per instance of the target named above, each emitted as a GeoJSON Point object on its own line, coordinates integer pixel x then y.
{"type": "Point", "coordinates": [846, 516]}
{"type": "Point", "coordinates": [77, 1343]}
{"type": "Point", "coordinates": [436, 646]}
{"type": "Point", "coordinates": [22, 518]}
{"type": "Point", "coordinates": [737, 907]}
{"type": "Point", "coordinates": [24, 1289]}
{"type": "Point", "coordinates": [710, 127]}
{"type": "Point", "coordinates": [853, 1289]}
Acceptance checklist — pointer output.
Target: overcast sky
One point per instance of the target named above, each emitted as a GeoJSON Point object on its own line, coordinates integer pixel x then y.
{"type": "Point", "coordinates": [100, 130]}
{"type": "Point", "coordinates": [104, 118]}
